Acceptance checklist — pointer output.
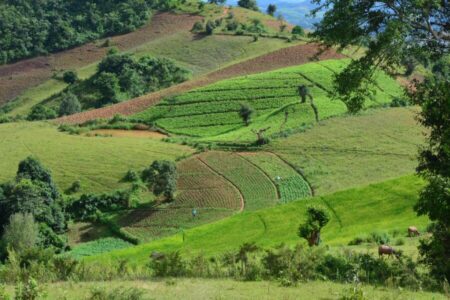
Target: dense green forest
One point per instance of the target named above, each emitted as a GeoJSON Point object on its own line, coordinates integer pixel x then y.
{"type": "Point", "coordinates": [29, 28]}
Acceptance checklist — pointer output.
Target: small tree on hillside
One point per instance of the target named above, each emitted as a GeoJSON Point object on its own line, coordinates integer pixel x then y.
{"type": "Point", "coordinates": [317, 218]}
{"type": "Point", "coordinates": [69, 105]}
{"type": "Point", "coordinates": [108, 85]}
{"type": "Point", "coordinates": [246, 112]}
{"type": "Point", "coordinates": [218, 2]}
{"type": "Point", "coordinates": [271, 9]}
{"type": "Point", "coordinates": [298, 30]}
{"type": "Point", "coordinates": [249, 4]}
{"type": "Point", "coordinates": [209, 28]}
{"type": "Point", "coordinates": [70, 77]}
{"type": "Point", "coordinates": [162, 178]}
{"type": "Point", "coordinates": [304, 93]}
{"type": "Point", "coordinates": [22, 233]}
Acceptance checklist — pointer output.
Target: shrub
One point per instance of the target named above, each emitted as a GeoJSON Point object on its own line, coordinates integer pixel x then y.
{"type": "Point", "coordinates": [120, 293]}
{"type": "Point", "coordinates": [249, 4]}
{"type": "Point", "coordinates": [399, 102]}
{"type": "Point", "coordinates": [28, 291]}
{"type": "Point", "coordinates": [69, 105]}
{"type": "Point", "coordinates": [41, 112]}
{"type": "Point", "coordinates": [131, 176]}
{"type": "Point", "coordinates": [298, 30]}
{"type": "Point", "coordinates": [70, 77]}
{"type": "Point", "coordinates": [198, 27]}
{"type": "Point", "coordinates": [380, 237]}
{"type": "Point", "coordinates": [209, 28]}
{"type": "Point", "coordinates": [22, 233]}
{"type": "Point", "coordinates": [170, 264]}
{"type": "Point", "coordinates": [74, 188]}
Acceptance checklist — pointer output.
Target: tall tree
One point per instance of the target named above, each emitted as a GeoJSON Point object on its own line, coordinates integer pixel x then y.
{"type": "Point", "coordinates": [162, 178]}
{"type": "Point", "coordinates": [271, 9]}
{"type": "Point", "coordinates": [249, 4]}
{"type": "Point", "coordinates": [394, 32]}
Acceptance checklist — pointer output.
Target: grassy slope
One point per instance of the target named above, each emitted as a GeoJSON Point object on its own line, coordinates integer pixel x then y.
{"type": "Point", "coordinates": [354, 151]}
{"type": "Point", "coordinates": [98, 162]}
{"type": "Point", "coordinates": [211, 112]}
{"type": "Point", "coordinates": [383, 206]}
{"type": "Point", "coordinates": [200, 54]}
{"type": "Point", "coordinates": [229, 289]}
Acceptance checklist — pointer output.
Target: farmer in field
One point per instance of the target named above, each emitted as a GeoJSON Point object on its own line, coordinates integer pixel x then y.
{"type": "Point", "coordinates": [194, 213]}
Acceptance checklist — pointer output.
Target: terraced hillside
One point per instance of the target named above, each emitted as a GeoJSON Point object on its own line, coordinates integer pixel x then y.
{"type": "Point", "coordinates": [211, 113]}
{"type": "Point", "coordinates": [216, 185]}
{"type": "Point", "coordinates": [99, 163]}
{"type": "Point", "coordinates": [199, 188]}
{"type": "Point", "coordinates": [385, 206]}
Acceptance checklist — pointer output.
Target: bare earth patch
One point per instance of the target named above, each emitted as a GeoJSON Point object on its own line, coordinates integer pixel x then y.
{"type": "Point", "coordinates": [17, 77]}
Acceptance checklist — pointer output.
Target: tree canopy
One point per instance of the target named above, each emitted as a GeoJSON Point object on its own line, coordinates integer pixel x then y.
{"type": "Point", "coordinates": [394, 33]}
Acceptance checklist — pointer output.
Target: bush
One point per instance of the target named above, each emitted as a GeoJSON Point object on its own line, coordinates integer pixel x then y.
{"type": "Point", "coordinates": [22, 233]}
{"type": "Point", "coordinates": [69, 105]}
{"type": "Point", "coordinates": [171, 264]}
{"type": "Point", "coordinates": [70, 77]}
{"type": "Point", "coordinates": [74, 188]}
{"type": "Point", "coordinates": [41, 112]}
{"type": "Point", "coordinates": [209, 28]}
{"type": "Point", "coordinates": [28, 291]}
{"type": "Point", "coordinates": [298, 30]}
{"type": "Point", "coordinates": [198, 27]}
{"type": "Point", "coordinates": [399, 102]}
{"type": "Point", "coordinates": [120, 293]}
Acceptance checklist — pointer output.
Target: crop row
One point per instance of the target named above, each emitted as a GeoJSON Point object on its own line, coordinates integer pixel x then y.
{"type": "Point", "coordinates": [257, 189]}
{"type": "Point", "coordinates": [290, 184]}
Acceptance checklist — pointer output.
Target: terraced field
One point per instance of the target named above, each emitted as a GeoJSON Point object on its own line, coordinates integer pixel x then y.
{"type": "Point", "coordinates": [256, 187]}
{"type": "Point", "coordinates": [290, 184]}
{"type": "Point", "coordinates": [211, 112]}
{"type": "Point", "coordinates": [200, 188]}
{"type": "Point", "coordinates": [384, 206]}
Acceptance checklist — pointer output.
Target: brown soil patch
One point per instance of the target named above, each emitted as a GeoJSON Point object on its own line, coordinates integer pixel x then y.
{"type": "Point", "coordinates": [128, 133]}
{"type": "Point", "coordinates": [17, 77]}
{"type": "Point", "coordinates": [291, 56]}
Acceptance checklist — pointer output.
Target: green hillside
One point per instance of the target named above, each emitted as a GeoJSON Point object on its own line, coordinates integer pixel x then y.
{"type": "Point", "coordinates": [380, 207]}
{"type": "Point", "coordinates": [99, 163]}
{"type": "Point", "coordinates": [211, 113]}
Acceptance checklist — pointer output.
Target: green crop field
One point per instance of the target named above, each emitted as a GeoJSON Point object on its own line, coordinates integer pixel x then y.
{"type": "Point", "coordinates": [356, 150]}
{"type": "Point", "coordinates": [256, 187]}
{"type": "Point", "coordinates": [199, 188]}
{"type": "Point", "coordinates": [211, 112]}
{"type": "Point", "coordinates": [99, 163]}
{"type": "Point", "coordinates": [379, 207]}
{"type": "Point", "coordinates": [99, 246]}
{"type": "Point", "coordinates": [291, 185]}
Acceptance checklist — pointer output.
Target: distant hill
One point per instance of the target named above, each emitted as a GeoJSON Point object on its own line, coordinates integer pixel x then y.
{"type": "Point", "coordinates": [294, 11]}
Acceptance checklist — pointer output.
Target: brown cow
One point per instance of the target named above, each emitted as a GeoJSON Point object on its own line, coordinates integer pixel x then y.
{"type": "Point", "coordinates": [388, 250]}
{"type": "Point", "coordinates": [413, 231]}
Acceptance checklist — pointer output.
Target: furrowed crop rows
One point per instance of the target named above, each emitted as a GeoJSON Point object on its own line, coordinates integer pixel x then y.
{"type": "Point", "coordinates": [199, 187]}
{"type": "Point", "coordinates": [257, 189]}
{"type": "Point", "coordinates": [290, 184]}
{"type": "Point", "coordinates": [213, 110]}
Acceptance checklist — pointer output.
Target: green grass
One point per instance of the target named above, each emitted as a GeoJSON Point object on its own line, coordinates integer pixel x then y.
{"type": "Point", "coordinates": [352, 151]}
{"type": "Point", "coordinates": [98, 247]}
{"type": "Point", "coordinates": [379, 207]}
{"type": "Point", "coordinates": [291, 185]}
{"type": "Point", "coordinates": [228, 289]}
{"type": "Point", "coordinates": [256, 187]}
{"type": "Point", "coordinates": [98, 162]}
{"type": "Point", "coordinates": [211, 112]}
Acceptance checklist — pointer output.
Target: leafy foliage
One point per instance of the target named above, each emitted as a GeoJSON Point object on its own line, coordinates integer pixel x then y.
{"type": "Point", "coordinates": [55, 25]}
{"type": "Point", "coordinates": [35, 193]}
{"type": "Point", "coordinates": [249, 4]}
{"type": "Point", "coordinates": [162, 177]}
{"type": "Point", "coordinates": [69, 105]}
{"type": "Point", "coordinates": [41, 112]}
{"type": "Point", "coordinates": [22, 233]}
{"type": "Point", "coordinates": [317, 218]}
{"type": "Point", "coordinates": [70, 77]}
{"type": "Point", "coordinates": [398, 32]}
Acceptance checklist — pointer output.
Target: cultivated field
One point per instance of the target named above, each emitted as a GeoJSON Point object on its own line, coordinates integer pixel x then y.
{"type": "Point", "coordinates": [211, 112]}
{"type": "Point", "coordinates": [99, 163]}
{"type": "Point", "coordinates": [293, 55]}
{"type": "Point", "coordinates": [200, 188]}
{"type": "Point", "coordinates": [382, 207]}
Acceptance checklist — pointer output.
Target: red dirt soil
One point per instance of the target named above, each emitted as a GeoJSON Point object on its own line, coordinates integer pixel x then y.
{"type": "Point", "coordinates": [291, 56]}
{"type": "Point", "coordinates": [17, 77]}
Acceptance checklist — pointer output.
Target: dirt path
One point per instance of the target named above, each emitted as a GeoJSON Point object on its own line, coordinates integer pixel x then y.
{"type": "Point", "coordinates": [291, 56]}
{"type": "Point", "coordinates": [127, 133]}
{"type": "Point", "coordinates": [241, 196]}
{"type": "Point", "coordinates": [16, 78]}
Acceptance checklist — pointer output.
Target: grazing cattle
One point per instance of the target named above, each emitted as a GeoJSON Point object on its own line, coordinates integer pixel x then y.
{"type": "Point", "coordinates": [413, 231]}
{"type": "Point", "coordinates": [388, 250]}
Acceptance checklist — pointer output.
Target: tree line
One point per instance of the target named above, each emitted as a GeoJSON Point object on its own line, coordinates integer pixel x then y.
{"type": "Point", "coordinates": [29, 28]}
